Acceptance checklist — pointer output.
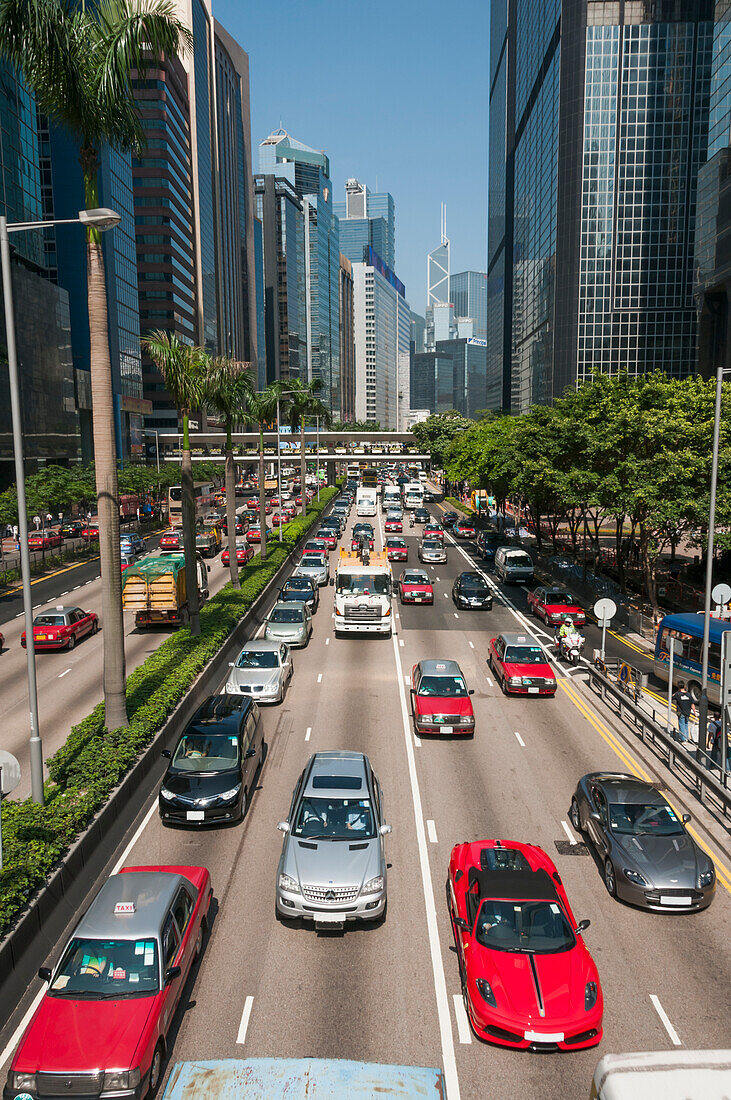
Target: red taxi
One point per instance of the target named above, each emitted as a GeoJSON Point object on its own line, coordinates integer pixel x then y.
{"type": "Point", "coordinates": [463, 529]}
{"type": "Point", "coordinates": [278, 518]}
{"type": "Point", "coordinates": [433, 531]}
{"type": "Point", "coordinates": [90, 531]}
{"type": "Point", "coordinates": [528, 980]}
{"type": "Point", "coordinates": [62, 627]}
{"type": "Point", "coordinates": [397, 549]}
{"type": "Point", "coordinates": [101, 1026]}
{"type": "Point", "coordinates": [394, 524]}
{"type": "Point", "coordinates": [172, 539]}
{"type": "Point", "coordinates": [316, 545]}
{"type": "Point", "coordinates": [520, 665]}
{"type": "Point", "coordinates": [440, 701]}
{"type": "Point", "coordinates": [328, 536]}
{"type": "Point", "coordinates": [45, 540]}
{"type": "Point", "coordinates": [244, 553]}
{"type": "Point", "coordinates": [552, 604]}
{"type": "Point", "coordinates": [414, 586]}
{"type": "Point", "coordinates": [254, 533]}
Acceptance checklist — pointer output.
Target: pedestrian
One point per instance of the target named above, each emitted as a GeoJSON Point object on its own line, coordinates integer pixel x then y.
{"type": "Point", "coordinates": [49, 518]}
{"type": "Point", "coordinates": [714, 743]}
{"type": "Point", "coordinates": [684, 709]}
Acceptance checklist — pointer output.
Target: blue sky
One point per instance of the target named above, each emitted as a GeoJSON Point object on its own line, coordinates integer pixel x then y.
{"type": "Point", "coordinates": [396, 93]}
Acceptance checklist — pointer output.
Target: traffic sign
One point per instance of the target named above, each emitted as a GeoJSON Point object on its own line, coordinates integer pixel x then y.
{"type": "Point", "coordinates": [605, 610]}
{"type": "Point", "coordinates": [9, 772]}
{"type": "Point", "coordinates": [721, 594]}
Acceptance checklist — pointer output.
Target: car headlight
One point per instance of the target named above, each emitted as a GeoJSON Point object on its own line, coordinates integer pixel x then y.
{"type": "Point", "coordinates": [516, 681]}
{"type": "Point", "coordinates": [706, 878]}
{"type": "Point", "coordinates": [373, 885]}
{"type": "Point", "coordinates": [166, 794]}
{"type": "Point", "coordinates": [22, 1081]}
{"type": "Point", "coordinates": [485, 990]}
{"type": "Point", "coordinates": [231, 687]}
{"type": "Point", "coordinates": [121, 1079]}
{"type": "Point", "coordinates": [286, 882]}
{"type": "Point", "coordinates": [591, 992]}
{"type": "Point", "coordinates": [635, 877]}
{"type": "Point", "coordinates": [226, 796]}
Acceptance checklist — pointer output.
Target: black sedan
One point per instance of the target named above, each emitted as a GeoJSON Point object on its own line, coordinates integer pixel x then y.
{"type": "Point", "coordinates": [300, 590]}
{"type": "Point", "coordinates": [421, 515]}
{"type": "Point", "coordinates": [212, 771]}
{"type": "Point", "coordinates": [471, 590]}
{"type": "Point", "coordinates": [649, 859]}
{"type": "Point", "coordinates": [72, 530]}
{"type": "Point", "coordinates": [448, 520]}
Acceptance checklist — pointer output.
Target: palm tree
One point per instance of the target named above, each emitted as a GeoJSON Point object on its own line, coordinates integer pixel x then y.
{"type": "Point", "coordinates": [303, 403]}
{"type": "Point", "coordinates": [229, 386]}
{"type": "Point", "coordinates": [185, 369]}
{"type": "Point", "coordinates": [261, 407]}
{"type": "Point", "coordinates": [77, 61]}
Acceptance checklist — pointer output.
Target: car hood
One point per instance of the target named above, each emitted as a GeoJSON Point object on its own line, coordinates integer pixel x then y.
{"type": "Point", "coordinates": [310, 570]}
{"type": "Point", "coordinates": [432, 704]}
{"type": "Point", "coordinates": [530, 671]}
{"type": "Point", "coordinates": [563, 609]}
{"type": "Point", "coordinates": [670, 861]}
{"type": "Point", "coordinates": [257, 676]}
{"type": "Point", "coordinates": [426, 589]}
{"type": "Point", "coordinates": [331, 862]}
{"type": "Point", "coordinates": [69, 1036]}
{"type": "Point", "coordinates": [284, 630]}
{"type": "Point", "coordinates": [203, 785]}
{"type": "Point", "coordinates": [561, 979]}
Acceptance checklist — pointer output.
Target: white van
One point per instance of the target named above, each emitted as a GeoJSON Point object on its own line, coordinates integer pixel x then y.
{"type": "Point", "coordinates": [513, 565]}
{"type": "Point", "coordinates": [664, 1075]}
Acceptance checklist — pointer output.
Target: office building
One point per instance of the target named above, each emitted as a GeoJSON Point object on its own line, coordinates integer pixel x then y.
{"type": "Point", "coordinates": [598, 126]}
{"type": "Point", "coordinates": [367, 218]}
{"type": "Point", "coordinates": [468, 294]}
{"type": "Point", "coordinates": [418, 331]}
{"type": "Point", "coordinates": [261, 368]}
{"type": "Point", "coordinates": [308, 172]}
{"type": "Point", "coordinates": [382, 326]}
{"type": "Point", "coordinates": [347, 342]}
{"type": "Point", "coordinates": [453, 376]}
{"type": "Point", "coordinates": [713, 220]}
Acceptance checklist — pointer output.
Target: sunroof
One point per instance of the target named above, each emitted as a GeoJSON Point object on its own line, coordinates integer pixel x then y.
{"type": "Point", "coordinates": [337, 782]}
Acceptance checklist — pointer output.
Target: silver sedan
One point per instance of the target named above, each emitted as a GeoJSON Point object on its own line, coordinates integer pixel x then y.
{"type": "Point", "coordinates": [289, 622]}
{"type": "Point", "coordinates": [433, 550]}
{"type": "Point", "coordinates": [262, 670]}
{"type": "Point", "coordinates": [315, 566]}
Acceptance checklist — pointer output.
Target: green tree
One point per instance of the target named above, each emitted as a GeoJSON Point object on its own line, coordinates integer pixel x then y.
{"type": "Point", "coordinates": [185, 369]}
{"type": "Point", "coordinates": [261, 407]}
{"type": "Point", "coordinates": [78, 62]}
{"type": "Point", "coordinates": [484, 455]}
{"type": "Point", "coordinates": [229, 386]}
{"type": "Point", "coordinates": [303, 403]}
{"type": "Point", "coordinates": [437, 432]}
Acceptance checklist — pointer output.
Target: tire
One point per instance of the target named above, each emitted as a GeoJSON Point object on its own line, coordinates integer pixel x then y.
{"type": "Point", "coordinates": [156, 1069]}
{"type": "Point", "coordinates": [610, 878]}
{"type": "Point", "coordinates": [244, 806]}
{"type": "Point", "coordinates": [574, 815]}
{"type": "Point", "coordinates": [198, 950]}
{"type": "Point", "coordinates": [72, 643]}
{"type": "Point", "coordinates": [95, 628]}
{"type": "Point", "coordinates": [694, 688]}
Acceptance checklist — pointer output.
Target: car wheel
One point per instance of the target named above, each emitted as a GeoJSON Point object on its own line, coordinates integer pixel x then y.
{"type": "Point", "coordinates": [156, 1068]}
{"type": "Point", "coordinates": [574, 815]}
{"type": "Point", "coordinates": [242, 809]}
{"type": "Point", "coordinates": [95, 627]}
{"type": "Point", "coordinates": [72, 643]}
{"type": "Point", "coordinates": [198, 944]}
{"type": "Point", "coordinates": [610, 879]}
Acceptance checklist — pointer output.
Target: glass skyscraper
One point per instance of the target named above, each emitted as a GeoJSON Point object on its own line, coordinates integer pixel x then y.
{"type": "Point", "coordinates": [367, 218]}
{"type": "Point", "coordinates": [382, 329]}
{"type": "Point", "coordinates": [468, 294]}
{"type": "Point", "coordinates": [598, 126]}
{"type": "Point", "coordinates": [280, 212]}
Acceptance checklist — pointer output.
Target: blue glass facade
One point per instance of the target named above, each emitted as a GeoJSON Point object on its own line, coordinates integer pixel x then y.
{"type": "Point", "coordinates": [367, 218]}
{"type": "Point", "coordinates": [203, 83]}
{"type": "Point", "coordinates": [468, 293]}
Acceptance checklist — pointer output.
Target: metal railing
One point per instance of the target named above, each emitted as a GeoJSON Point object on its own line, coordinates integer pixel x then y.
{"type": "Point", "coordinates": [701, 770]}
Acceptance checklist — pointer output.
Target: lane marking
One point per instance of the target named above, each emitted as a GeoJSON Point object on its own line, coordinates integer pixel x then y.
{"type": "Point", "coordinates": [241, 1036]}
{"type": "Point", "coordinates": [489, 680]}
{"type": "Point", "coordinates": [521, 742]}
{"type": "Point", "coordinates": [407, 678]}
{"type": "Point", "coordinates": [309, 731]}
{"type": "Point", "coordinates": [62, 674]}
{"type": "Point", "coordinates": [440, 982]}
{"type": "Point", "coordinates": [456, 615]}
{"type": "Point", "coordinates": [319, 677]}
{"type": "Point", "coordinates": [438, 578]}
{"type": "Point", "coordinates": [446, 597]}
{"type": "Point", "coordinates": [327, 641]}
{"type": "Point", "coordinates": [674, 1037]}
{"type": "Point", "coordinates": [569, 834]}
{"type": "Point", "coordinates": [460, 1015]}
{"type": "Point", "coordinates": [470, 644]}
{"type": "Point", "coordinates": [432, 831]}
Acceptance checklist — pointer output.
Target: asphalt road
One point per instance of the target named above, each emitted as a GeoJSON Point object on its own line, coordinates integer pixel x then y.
{"type": "Point", "coordinates": [391, 993]}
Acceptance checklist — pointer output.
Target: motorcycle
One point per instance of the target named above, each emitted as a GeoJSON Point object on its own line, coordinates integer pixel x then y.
{"type": "Point", "coordinates": [570, 647]}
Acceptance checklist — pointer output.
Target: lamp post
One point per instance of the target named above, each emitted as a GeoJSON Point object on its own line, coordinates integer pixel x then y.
{"type": "Point", "coordinates": [282, 393]}
{"type": "Point", "coordinates": [317, 452]}
{"type": "Point", "coordinates": [102, 219]}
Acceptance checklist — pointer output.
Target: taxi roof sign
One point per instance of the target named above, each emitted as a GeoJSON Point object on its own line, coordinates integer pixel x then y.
{"type": "Point", "coordinates": [124, 908]}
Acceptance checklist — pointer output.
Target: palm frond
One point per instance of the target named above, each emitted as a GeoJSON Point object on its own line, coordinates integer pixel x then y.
{"type": "Point", "coordinates": [228, 386]}
{"type": "Point", "coordinates": [131, 36]}
{"type": "Point", "coordinates": [183, 366]}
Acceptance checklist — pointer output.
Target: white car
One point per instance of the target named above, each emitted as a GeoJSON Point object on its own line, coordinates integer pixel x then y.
{"type": "Point", "coordinates": [262, 670]}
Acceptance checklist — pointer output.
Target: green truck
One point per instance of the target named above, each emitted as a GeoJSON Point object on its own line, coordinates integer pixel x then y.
{"type": "Point", "coordinates": [155, 589]}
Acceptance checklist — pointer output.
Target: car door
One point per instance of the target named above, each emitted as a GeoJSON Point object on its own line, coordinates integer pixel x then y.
{"type": "Point", "coordinates": [598, 829]}
{"type": "Point", "coordinates": [170, 946]}
{"type": "Point", "coordinates": [183, 907]}
{"type": "Point", "coordinates": [249, 752]}
{"type": "Point", "coordinates": [285, 659]}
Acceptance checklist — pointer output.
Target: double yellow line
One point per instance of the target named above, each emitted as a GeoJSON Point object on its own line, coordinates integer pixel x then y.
{"type": "Point", "coordinates": [723, 873]}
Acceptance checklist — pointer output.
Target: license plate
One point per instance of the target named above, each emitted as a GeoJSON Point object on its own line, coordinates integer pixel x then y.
{"type": "Point", "coordinates": [675, 901]}
{"type": "Point", "coordinates": [418, 599]}
{"type": "Point", "coordinates": [40, 637]}
{"type": "Point", "coordinates": [329, 918]}
{"type": "Point", "coordinates": [533, 691]}
{"type": "Point", "coordinates": [447, 729]}
{"type": "Point", "coordinates": [195, 815]}
{"type": "Point", "coordinates": [547, 1037]}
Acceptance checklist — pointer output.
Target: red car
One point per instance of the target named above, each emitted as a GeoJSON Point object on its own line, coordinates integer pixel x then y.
{"type": "Point", "coordinates": [317, 545]}
{"type": "Point", "coordinates": [520, 665]}
{"type": "Point", "coordinates": [440, 701]}
{"type": "Point", "coordinates": [433, 531]}
{"type": "Point", "coordinates": [101, 1026]}
{"type": "Point", "coordinates": [463, 529]}
{"type": "Point", "coordinates": [394, 525]}
{"type": "Point", "coordinates": [254, 533]}
{"type": "Point", "coordinates": [277, 518]}
{"type": "Point", "coordinates": [62, 627]}
{"type": "Point", "coordinates": [528, 980]}
{"type": "Point", "coordinates": [551, 604]}
{"type": "Point", "coordinates": [244, 553]}
{"type": "Point", "coordinates": [45, 540]}
{"type": "Point", "coordinates": [90, 531]}
{"type": "Point", "coordinates": [172, 539]}
{"type": "Point", "coordinates": [362, 530]}
{"type": "Point", "coordinates": [328, 537]}
{"type": "Point", "coordinates": [414, 586]}
{"type": "Point", "coordinates": [397, 550]}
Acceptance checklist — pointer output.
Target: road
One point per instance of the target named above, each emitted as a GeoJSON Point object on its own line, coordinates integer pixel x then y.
{"type": "Point", "coordinates": [391, 993]}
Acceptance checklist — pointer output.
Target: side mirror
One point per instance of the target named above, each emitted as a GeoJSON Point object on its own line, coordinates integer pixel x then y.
{"type": "Point", "coordinates": [686, 818]}
{"type": "Point", "coordinates": [471, 691]}
{"type": "Point", "coordinates": [231, 664]}
{"type": "Point", "coordinates": [171, 974]}
{"type": "Point", "coordinates": [166, 753]}
{"type": "Point", "coordinates": [283, 826]}
{"type": "Point", "coordinates": [385, 830]}
{"type": "Point", "coordinates": [250, 753]}
{"type": "Point", "coordinates": [595, 817]}
{"type": "Point", "coordinates": [582, 926]}
{"type": "Point", "coordinates": [462, 923]}
{"type": "Point", "coordinates": [44, 973]}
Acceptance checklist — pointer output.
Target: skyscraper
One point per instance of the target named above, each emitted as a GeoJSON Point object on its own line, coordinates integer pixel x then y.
{"type": "Point", "coordinates": [347, 342]}
{"type": "Point", "coordinates": [382, 324]}
{"type": "Point", "coordinates": [468, 294]}
{"type": "Point", "coordinates": [367, 218]}
{"type": "Point", "coordinates": [308, 171]}
{"type": "Point", "coordinates": [598, 125]}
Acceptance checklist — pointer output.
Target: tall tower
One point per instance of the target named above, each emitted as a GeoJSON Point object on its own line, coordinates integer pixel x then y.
{"type": "Point", "coordinates": [437, 267]}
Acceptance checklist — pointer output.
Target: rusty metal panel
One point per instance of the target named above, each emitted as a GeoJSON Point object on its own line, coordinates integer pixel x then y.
{"type": "Point", "coordinates": [300, 1079]}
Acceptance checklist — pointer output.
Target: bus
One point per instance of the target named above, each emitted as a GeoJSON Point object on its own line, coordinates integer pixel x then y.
{"type": "Point", "coordinates": [204, 493]}
{"type": "Point", "coordinates": [688, 629]}
{"type": "Point", "coordinates": [353, 470]}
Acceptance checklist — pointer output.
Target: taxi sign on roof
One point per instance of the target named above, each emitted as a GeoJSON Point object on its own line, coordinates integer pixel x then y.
{"type": "Point", "coordinates": [441, 667]}
{"type": "Point", "coordinates": [124, 908]}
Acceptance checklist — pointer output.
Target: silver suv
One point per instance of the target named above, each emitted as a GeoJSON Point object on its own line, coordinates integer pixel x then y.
{"type": "Point", "coordinates": [333, 866]}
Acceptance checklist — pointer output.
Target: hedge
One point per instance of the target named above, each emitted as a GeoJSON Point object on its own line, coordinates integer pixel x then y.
{"type": "Point", "coordinates": [92, 761]}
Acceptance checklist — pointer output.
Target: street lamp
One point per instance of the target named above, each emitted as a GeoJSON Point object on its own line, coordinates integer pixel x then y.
{"type": "Point", "coordinates": [703, 701]}
{"type": "Point", "coordinates": [282, 393]}
{"type": "Point", "coordinates": [102, 219]}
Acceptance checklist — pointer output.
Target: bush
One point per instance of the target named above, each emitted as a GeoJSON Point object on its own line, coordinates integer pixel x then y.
{"type": "Point", "coordinates": [93, 760]}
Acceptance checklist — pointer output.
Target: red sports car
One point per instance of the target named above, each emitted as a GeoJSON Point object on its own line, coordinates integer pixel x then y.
{"type": "Point", "coordinates": [463, 529]}
{"type": "Point", "coordinates": [44, 540]}
{"type": "Point", "coordinates": [244, 552]}
{"type": "Point", "coordinates": [397, 549]}
{"type": "Point", "coordinates": [414, 586]}
{"type": "Point", "coordinates": [172, 539]}
{"type": "Point", "coordinates": [394, 525]}
{"type": "Point", "coordinates": [520, 665]}
{"type": "Point", "coordinates": [528, 980]}
{"type": "Point", "coordinates": [62, 627]}
{"type": "Point", "coordinates": [551, 604]}
{"type": "Point", "coordinates": [440, 699]}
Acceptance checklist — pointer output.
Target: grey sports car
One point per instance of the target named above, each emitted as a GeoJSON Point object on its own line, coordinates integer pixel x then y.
{"type": "Point", "coordinates": [333, 866]}
{"type": "Point", "coordinates": [649, 858]}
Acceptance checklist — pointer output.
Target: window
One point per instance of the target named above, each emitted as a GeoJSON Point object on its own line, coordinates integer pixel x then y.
{"type": "Point", "coordinates": [170, 942]}
{"type": "Point", "coordinates": [182, 909]}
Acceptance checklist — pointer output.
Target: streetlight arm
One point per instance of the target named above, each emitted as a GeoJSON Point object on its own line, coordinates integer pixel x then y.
{"type": "Point", "coordinates": [101, 217]}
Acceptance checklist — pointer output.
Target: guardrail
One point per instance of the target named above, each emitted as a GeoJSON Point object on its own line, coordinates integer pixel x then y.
{"type": "Point", "coordinates": [701, 769]}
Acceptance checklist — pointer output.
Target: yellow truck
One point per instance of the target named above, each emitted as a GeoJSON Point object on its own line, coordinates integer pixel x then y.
{"type": "Point", "coordinates": [155, 589]}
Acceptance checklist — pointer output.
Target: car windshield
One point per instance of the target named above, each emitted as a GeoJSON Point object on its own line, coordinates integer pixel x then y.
{"type": "Point", "coordinates": [562, 599]}
{"type": "Point", "coordinates": [363, 529]}
{"type": "Point", "coordinates": [206, 752]}
{"type": "Point", "coordinates": [298, 586]}
{"type": "Point", "coordinates": [377, 583]}
{"type": "Point", "coordinates": [536, 927]}
{"type": "Point", "coordinates": [258, 658]}
{"type": "Point", "coordinates": [334, 818]}
{"type": "Point", "coordinates": [525, 655]}
{"type": "Point", "coordinates": [450, 686]}
{"type": "Point", "coordinates": [107, 969]}
{"type": "Point", "coordinates": [415, 578]}
{"type": "Point", "coordinates": [434, 544]}
{"type": "Point", "coordinates": [474, 585]}
{"type": "Point", "coordinates": [49, 620]}
{"type": "Point", "coordinates": [316, 561]}
{"type": "Point", "coordinates": [632, 819]}
{"type": "Point", "coordinates": [520, 560]}
{"type": "Point", "coordinates": [396, 543]}
{"type": "Point", "coordinates": [287, 615]}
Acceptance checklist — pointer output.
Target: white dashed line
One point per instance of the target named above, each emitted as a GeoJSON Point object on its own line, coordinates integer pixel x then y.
{"type": "Point", "coordinates": [446, 597]}
{"type": "Point", "coordinates": [489, 680]}
{"type": "Point", "coordinates": [407, 679]}
{"type": "Point", "coordinates": [401, 642]}
{"type": "Point", "coordinates": [76, 588]}
{"type": "Point", "coordinates": [460, 1015]}
{"type": "Point", "coordinates": [438, 578]}
{"type": "Point", "coordinates": [241, 1037]}
{"type": "Point", "coordinates": [470, 644]}
{"type": "Point", "coordinates": [521, 742]}
{"type": "Point", "coordinates": [456, 615]}
{"type": "Point", "coordinates": [309, 731]}
{"type": "Point", "coordinates": [431, 831]}
{"type": "Point", "coordinates": [319, 677]}
{"type": "Point", "coordinates": [569, 834]}
{"type": "Point", "coordinates": [327, 641]}
{"type": "Point", "coordinates": [61, 674]}
{"type": "Point", "coordinates": [674, 1038]}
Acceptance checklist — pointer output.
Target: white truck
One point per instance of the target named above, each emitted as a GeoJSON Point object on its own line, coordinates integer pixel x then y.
{"type": "Point", "coordinates": [413, 494]}
{"type": "Point", "coordinates": [363, 594]}
{"type": "Point", "coordinates": [391, 497]}
{"type": "Point", "coordinates": [366, 501]}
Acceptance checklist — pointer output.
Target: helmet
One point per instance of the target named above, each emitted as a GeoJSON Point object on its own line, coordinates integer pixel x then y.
{"type": "Point", "coordinates": [568, 620]}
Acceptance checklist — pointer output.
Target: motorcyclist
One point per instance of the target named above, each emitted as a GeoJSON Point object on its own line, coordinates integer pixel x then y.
{"type": "Point", "coordinates": [411, 520]}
